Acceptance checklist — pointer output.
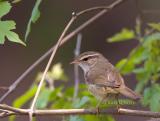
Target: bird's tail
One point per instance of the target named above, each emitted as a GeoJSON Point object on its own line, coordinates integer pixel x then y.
{"type": "Point", "coordinates": [129, 93]}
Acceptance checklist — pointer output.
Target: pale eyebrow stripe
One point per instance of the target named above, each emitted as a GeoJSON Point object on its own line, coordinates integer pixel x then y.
{"type": "Point", "coordinates": [89, 56]}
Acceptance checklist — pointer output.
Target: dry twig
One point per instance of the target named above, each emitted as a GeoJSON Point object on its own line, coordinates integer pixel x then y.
{"type": "Point", "coordinates": [48, 65]}
{"type": "Point", "coordinates": [8, 111]}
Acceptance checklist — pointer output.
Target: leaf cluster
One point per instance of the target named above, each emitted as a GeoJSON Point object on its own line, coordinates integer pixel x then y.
{"type": "Point", "coordinates": [143, 61]}
{"type": "Point", "coordinates": [7, 26]}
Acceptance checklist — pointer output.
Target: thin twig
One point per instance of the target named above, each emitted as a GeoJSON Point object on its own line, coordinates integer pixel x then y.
{"type": "Point", "coordinates": [92, 9]}
{"type": "Point", "coordinates": [76, 70]}
{"type": "Point", "coordinates": [3, 88]}
{"type": "Point", "coordinates": [65, 39]}
{"type": "Point", "coordinates": [55, 112]}
{"type": "Point", "coordinates": [48, 65]}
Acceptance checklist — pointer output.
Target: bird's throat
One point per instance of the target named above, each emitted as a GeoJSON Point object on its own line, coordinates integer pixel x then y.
{"type": "Point", "coordinates": [84, 67]}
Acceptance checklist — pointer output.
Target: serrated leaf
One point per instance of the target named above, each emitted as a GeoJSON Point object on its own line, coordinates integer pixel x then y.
{"type": "Point", "coordinates": [5, 31]}
{"type": "Point", "coordinates": [43, 98]}
{"type": "Point", "coordinates": [5, 7]}
{"type": "Point", "coordinates": [125, 34]}
{"type": "Point", "coordinates": [155, 26]}
{"type": "Point", "coordinates": [34, 17]}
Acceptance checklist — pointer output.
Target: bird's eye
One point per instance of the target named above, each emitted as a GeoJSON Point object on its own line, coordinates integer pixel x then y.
{"type": "Point", "coordinates": [85, 59]}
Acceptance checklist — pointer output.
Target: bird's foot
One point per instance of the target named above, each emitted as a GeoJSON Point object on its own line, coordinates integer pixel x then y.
{"type": "Point", "coordinates": [118, 107]}
{"type": "Point", "coordinates": [97, 110]}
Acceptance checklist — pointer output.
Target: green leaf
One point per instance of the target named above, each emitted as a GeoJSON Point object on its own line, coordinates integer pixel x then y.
{"type": "Point", "coordinates": [16, 1]}
{"type": "Point", "coordinates": [81, 103]}
{"type": "Point", "coordinates": [98, 118]}
{"type": "Point", "coordinates": [138, 70]}
{"type": "Point", "coordinates": [125, 34]}
{"type": "Point", "coordinates": [5, 7]}
{"type": "Point", "coordinates": [43, 98]}
{"type": "Point", "coordinates": [19, 102]}
{"type": "Point", "coordinates": [155, 102]}
{"type": "Point", "coordinates": [76, 118]}
{"type": "Point", "coordinates": [155, 26]}
{"type": "Point", "coordinates": [5, 31]}
{"type": "Point", "coordinates": [147, 96]}
{"type": "Point", "coordinates": [140, 86]}
{"type": "Point", "coordinates": [143, 76]}
{"type": "Point", "coordinates": [57, 92]}
{"type": "Point", "coordinates": [34, 17]}
{"type": "Point", "coordinates": [148, 39]}
{"type": "Point", "coordinates": [137, 56]}
{"type": "Point", "coordinates": [155, 99]}
{"type": "Point", "coordinates": [22, 100]}
{"type": "Point", "coordinates": [125, 66]}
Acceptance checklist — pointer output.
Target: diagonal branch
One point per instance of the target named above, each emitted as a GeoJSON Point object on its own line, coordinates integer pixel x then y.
{"type": "Point", "coordinates": [65, 39]}
{"type": "Point", "coordinates": [48, 65]}
{"type": "Point", "coordinates": [129, 112]}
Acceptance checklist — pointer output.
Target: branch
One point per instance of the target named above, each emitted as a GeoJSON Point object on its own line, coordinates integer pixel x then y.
{"type": "Point", "coordinates": [76, 70]}
{"type": "Point", "coordinates": [48, 65]}
{"type": "Point", "coordinates": [65, 39]}
{"type": "Point", "coordinates": [8, 111]}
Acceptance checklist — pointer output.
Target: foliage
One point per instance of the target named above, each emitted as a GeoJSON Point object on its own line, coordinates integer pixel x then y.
{"type": "Point", "coordinates": [125, 34]}
{"type": "Point", "coordinates": [34, 17]}
{"type": "Point", "coordinates": [7, 26]}
{"type": "Point", "coordinates": [144, 62]}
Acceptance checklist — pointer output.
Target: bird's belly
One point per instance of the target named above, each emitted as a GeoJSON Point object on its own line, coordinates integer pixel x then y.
{"type": "Point", "coordinates": [101, 93]}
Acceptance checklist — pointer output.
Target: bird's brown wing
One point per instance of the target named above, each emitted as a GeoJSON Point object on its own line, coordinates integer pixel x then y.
{"type": "Point", "coordinates": [111, 78]}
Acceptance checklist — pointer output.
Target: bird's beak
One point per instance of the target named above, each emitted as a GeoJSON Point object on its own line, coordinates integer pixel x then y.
{"type": "Point", "coordinates": [74, 62]}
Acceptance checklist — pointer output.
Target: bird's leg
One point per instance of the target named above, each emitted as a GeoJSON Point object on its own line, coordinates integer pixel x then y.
{"type": "Point", "coordinates": [97, 106]}
{"type": "Point", "coordinates": [118, 104]}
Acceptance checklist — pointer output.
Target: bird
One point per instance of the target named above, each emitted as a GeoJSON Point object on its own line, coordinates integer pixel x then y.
{"type": "Point", "coordinates": [102, 78]}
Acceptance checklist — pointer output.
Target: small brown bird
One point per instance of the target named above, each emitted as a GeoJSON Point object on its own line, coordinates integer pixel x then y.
{"type": "Point", "coordinates": [102, 77]}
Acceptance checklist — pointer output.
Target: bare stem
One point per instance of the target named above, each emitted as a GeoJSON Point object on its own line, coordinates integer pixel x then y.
{"type": "Point", "coordinates": [48, 65]}
{"type": "Point", "coordinates": [76, 71]}
{"type": "Point", "coordinates": [8, 111]}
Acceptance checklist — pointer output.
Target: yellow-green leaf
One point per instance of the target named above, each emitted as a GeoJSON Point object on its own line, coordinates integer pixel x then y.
{"type": "Point", "coordinates": [155, 26]}
{"type": "Point", "coordinates": [19, 102]}
{"type": "Point", "coordinates": [5, 7]}
{"type": "Point", "coordinates": [125, 34]}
